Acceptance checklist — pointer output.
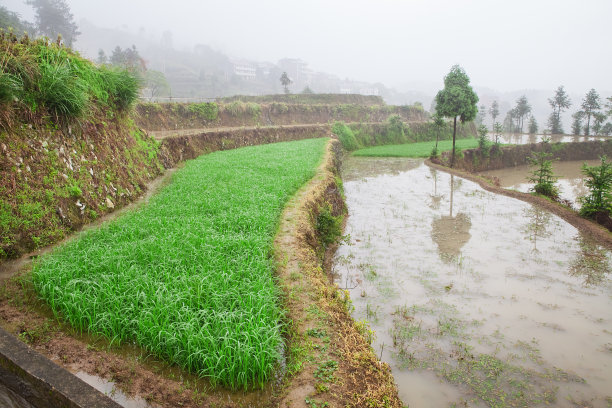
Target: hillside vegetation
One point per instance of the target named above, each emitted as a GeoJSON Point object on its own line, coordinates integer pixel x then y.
{"type": "Point", "coordinates": [70, 151]}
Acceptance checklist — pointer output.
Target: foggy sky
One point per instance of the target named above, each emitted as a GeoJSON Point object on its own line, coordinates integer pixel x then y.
{"type": "Point", "coordinates": [411, 44]}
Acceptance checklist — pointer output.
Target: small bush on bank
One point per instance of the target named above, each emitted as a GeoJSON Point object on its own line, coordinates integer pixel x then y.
{"type": "Point", "coordinates": [543, 175]}
{"type": "Point", "coordinates": [599, 181]}
{"type": "Point", "coordinates": [345, 135]}
{"type": "Point", "coordinates": [207, 110]}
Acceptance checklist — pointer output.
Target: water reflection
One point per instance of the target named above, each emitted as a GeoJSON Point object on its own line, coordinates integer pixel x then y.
{"type": "Point", "coordinates": [591, 263]}
{"type": "Point", "coordinates": [498, 327]}
{"type": "Point", "coordinates": [451, 233]}
{"type": "Point", "coordinates": [537, 227]}
{"type": "Point", "coordinates": [435, 198]}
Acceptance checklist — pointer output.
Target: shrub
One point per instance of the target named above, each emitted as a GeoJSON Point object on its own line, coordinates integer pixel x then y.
{"type": "Point", "coordinates": [60, 91]}
{"type": "Point", "coordinates": [206, 110]}
{"type": "Point", "coordinates": [10, 87]}
{"type": "Point", "coordinates": [483, 142]}
{"type": "Point", "coordinates": [329, 227]}
{"type": "Point", "coordinates": [345, 135]}
{"type": "Point", "coordinates": [253, 109]}
{"type": "Point", "coordinates": [599, 181]}
{"type": "Point", "coordinates": [123, 87]}
{"type": "Point", "coordinates": [543, 175]}
{"type": "Point", "coordinates": [235, 108]}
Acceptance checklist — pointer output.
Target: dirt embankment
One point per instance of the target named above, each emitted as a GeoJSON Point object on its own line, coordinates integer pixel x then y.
{"type": "Point", "coordinates": [338, 367]}
{"type": "Point", "coordinates": [175, 149]}
{"type": "Point", "coordinates": [473, 160]}
{"type": "Point", "coordinates": [169, 116]}
{"type": "Point", "coordinates": [54, 179]}
{"type": "Point", "coordinates": [318, 98]}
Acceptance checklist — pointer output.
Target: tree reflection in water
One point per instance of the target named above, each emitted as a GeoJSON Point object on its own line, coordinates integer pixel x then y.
{"type": "Point", "coordinates": [591, 263]}
{"type": "Point", "coordinates": [537, 227]}
{"type": "Point", "coordinates": [451, 233]}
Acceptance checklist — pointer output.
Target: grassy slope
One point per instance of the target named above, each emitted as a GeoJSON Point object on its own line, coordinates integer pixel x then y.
{"type": "Point", "coordinates": [189, 276]}
{"type": "Point", "coordinates": [420, 149]}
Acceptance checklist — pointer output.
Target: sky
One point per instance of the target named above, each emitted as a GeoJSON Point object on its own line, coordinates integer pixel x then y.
{"type": "Point", "coordinates": [409, 44]}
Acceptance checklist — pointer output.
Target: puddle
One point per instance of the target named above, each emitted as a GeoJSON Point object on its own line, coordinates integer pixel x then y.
{"type": "Point", "coordinates": [476, 299]}
{"type": "Point", "coordinates": [108, 388]}
{"type": "Point", "coordinates": [570, 182]}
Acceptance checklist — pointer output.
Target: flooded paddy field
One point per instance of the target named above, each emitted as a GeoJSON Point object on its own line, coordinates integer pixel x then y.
{"type": "Point", "coordinates": [570, 182]}
{"type": "Point", "coordinates": [475, 299]}
{"type": "Point", "coordinates": [522, 138]}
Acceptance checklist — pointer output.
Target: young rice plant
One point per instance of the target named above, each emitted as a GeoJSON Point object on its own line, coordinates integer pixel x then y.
{"type": "Point", "coordinates": [190, 275]}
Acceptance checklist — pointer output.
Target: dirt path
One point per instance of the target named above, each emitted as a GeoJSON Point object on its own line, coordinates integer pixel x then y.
{"type": "Point", "coordinates": [589, 228]}
{"type": "Point", "coordinates": [333, 362]}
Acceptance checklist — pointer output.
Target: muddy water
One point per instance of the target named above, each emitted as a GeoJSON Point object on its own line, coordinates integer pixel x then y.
{"type": "Point", "coordinates": [518, 138]}
{"type": "Point", "coordinates": [570, 182]}
{"type": "Point", "coordinates": [475, 299]}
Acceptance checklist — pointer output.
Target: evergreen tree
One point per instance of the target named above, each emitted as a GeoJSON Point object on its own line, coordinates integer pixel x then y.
{"type": "Point", "coordinates": [456, 100]}
{"type": "Point", "coordinates": [494, 111]}
{"type": "Point", "coordinates": [559, 103]}
{"type": "Point", "coordinates": [285, 81]}
{"type": "Point", "coordinates": [53, 18]}
{"type": "Point", "coordinates": [590, 104]}
{"type": "Point", "coordinates": [11, 21]}
{"type": "Point", "coordinates": [533, 125]}
{"type": "Point", "coordinates": [521, 110]}
{"type": "Point", "coordinates": [577, 122]}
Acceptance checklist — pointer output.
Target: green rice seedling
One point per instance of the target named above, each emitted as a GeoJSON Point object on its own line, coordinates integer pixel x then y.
{"type": "Point", "coordinates": [189, 276]}
{"type": "Point", "coordinates": [419, 149]}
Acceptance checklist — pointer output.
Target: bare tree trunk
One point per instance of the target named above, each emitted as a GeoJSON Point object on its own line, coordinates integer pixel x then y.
{"type": "Point", "coordinates": [454, 133]}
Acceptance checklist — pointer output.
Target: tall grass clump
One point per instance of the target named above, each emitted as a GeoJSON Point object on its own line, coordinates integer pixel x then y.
{"type": "Point", "coordinates": [189, 276]}
{"type": "Point", "coordinates": [206, 110]}
{"type": "Point", "coordinates": [39, 76]}
{"type": "Point", "coordinates": [345, 135]}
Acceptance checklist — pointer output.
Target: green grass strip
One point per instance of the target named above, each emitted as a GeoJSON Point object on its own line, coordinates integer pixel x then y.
{"type": "Point", "coordinates": [419, 149]}
{"type": "Point", "coordinates": [190, 276]}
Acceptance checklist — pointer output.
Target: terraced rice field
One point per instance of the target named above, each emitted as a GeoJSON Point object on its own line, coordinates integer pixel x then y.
{"type": "Point", "coordinates": [419, 149]}
{"type": "Point", "coordinates": [189, 276]}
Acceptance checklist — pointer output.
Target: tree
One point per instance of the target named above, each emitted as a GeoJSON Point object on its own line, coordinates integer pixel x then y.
{"type": "Point", "coordinates": [439, 124]}
{"type": "Point", "coordinates": [53, 18]}
{"type": "Point", "coordinates": [543, 175]}
{"type": "Point", "coordinates": [599, 182]}
{"type": "Point", "coordinates": [102, 58]}
{"type": "Point", "coordinates": [509, 122]}
{"type": "Point", "coordinates": [128, 58]}
{"type": "Point", "coordinates": [577, 122]}
{"type": "Point", "coordinates": [590, 104]}
{"type": "Point", "coordinates": [533, 125]}
{"type": "Point", "coordinates": [521, 110]}
{"type": "Point", "coordinates": [606, 129]}
{"type": "Point", "coordinates": [307, 90]}
{"type": "Point", "coordinates": [157, 84]}
{"type": "Point", "coordinates": [11, 21]}
{"type": "Point", "coordinates": [456, 100]}
{"type": "Point", "coordinates": [559, 103]}
{"type": "Point", "coordinates": [494, 111]}
{"type": "Point", "coordinates": [598, 119]}
{"type": "Point", "coordinates": [497, 129]}
{"type": "Point", "coordinates": [482, 114]}
{"type": "Point", "coordinates": [483, 141]}
{"type": "Point", "coordinates": [285, 81]}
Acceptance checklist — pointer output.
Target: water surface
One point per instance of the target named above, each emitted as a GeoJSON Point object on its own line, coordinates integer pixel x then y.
{"type": "Point", "coordinates": [476, 299]}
